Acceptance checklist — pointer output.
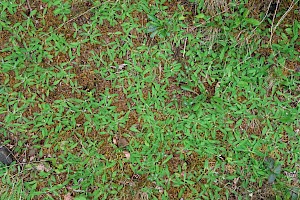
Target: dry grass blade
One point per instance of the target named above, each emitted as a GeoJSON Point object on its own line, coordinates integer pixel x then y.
{"type": "Point", "coordinates": [273, 28]}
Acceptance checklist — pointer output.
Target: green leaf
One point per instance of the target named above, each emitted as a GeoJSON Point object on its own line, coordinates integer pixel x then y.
{"type": "Point", "coordinates": [196, 107]}
{"type": "Point", "coordinates": [270, 162]}
{"type": "Point", "coordinates": [182, 18]}
{"type": "Point", "coordinates": [277, 169]}
{"type": "Point", "coordinates": [187, 88]}
{"type": "Point", "coordinates": [138, 69]}
{"type": "Point", "coordinates": [222, 54]}
{"type": "Point", "coordinates": [167, 159]}
{"type": "Point", "coordinates": [296, 28]}
{"type": "Point", "coordinates": [153, 34]}
{"type": "Point", "coordinates": [134, 129]}
{"type": "Point", "coordinates": [252, 21]}
{"type": "Point", "coordinates": [152, 18]}
{"type": "Point", "coordinates": [80, 198]}
{"type": "Point", "coordinates": [272, 178]}
{"type": "Point", "coordinates": [200, 16]}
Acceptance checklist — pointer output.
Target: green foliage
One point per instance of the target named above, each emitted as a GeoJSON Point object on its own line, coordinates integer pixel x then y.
{"type": "Point", "coordinates": [209, 108]}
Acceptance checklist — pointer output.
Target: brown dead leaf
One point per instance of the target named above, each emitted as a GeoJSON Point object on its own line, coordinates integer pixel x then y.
{"type": "Point", "coordinates": [42, 167]}
{"type": "Point", "coordinates": [115, 141]}
{"type": "Point", "coordinates": [31, 158]}
{"type": "Point", "coordinates": [122, 142]}
{"type": "Point", "coordinates": [68, 196]}
{"type": "Point", "coordinates": [127, 154]}
{"type": "Point", "coordinates": [120, 67]}
{"type": "Point", "coordinates": [160, 189]}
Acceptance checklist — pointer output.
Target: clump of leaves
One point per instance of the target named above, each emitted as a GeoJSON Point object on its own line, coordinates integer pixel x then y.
{"type": "Point", "coordinates": [275, 169]}
{"type": "Point", "coordinates": [157, 27]}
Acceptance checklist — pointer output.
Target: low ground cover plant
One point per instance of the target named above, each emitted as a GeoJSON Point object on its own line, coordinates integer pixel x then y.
{"type": "Point", "coordinates": [126, 99]}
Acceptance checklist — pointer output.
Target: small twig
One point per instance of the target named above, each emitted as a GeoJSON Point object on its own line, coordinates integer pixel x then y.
{"type": "Point", "coordinates": [259, 22]}
{"type": "Point", "coordinates": [160, 71]}
{"type": "Point", "coordinates": [185, 41]}
{"type": "Point", "coordinates": [280, 20]}
{"type": "Point", "coordinates": [273, 19]}
{"type": "Point", "coordinates": [74, 18]}
{"type": "Point", "coordinates": [30, 9]}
